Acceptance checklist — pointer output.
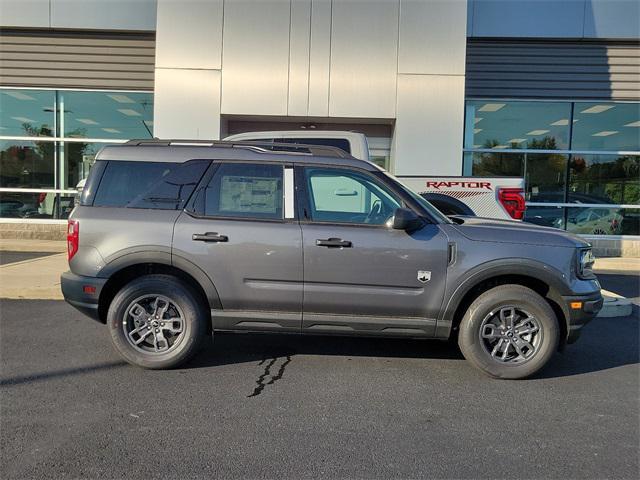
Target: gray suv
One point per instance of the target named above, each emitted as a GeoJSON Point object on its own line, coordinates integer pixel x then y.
{"type": "Point", "coordinates": [175, 240]}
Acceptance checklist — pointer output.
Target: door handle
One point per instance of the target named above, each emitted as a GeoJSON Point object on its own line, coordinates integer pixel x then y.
{"type": "Point", "coordinates": [209, 237]}
{"type": "Point", "coordinates": [334, 243]}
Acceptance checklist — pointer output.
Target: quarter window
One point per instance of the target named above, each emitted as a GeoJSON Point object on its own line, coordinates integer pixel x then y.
{"type": "Point", "coordinates": [244, 191]}
{"type": "Point", "coordinates": [341, 196]}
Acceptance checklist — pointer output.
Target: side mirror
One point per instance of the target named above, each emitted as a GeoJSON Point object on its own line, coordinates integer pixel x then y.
{"type": "Point", "coordinates": [406, 219]}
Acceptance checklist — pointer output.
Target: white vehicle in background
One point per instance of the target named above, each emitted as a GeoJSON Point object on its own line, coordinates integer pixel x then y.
{"type": "Point", "coordinates": [501, 197]}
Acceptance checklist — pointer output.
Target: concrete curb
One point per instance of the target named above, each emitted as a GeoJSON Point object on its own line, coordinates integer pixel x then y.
{"type": "Point", "coordinates": [615, 305]}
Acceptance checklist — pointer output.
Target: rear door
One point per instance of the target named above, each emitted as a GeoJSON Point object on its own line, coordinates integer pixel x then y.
{"type": "Point", "coordinates": [360, 275]}
{"type": "Point", "coordinates": [240, 229]}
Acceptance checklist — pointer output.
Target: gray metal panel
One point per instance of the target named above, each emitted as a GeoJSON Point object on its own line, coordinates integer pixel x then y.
{"type": "Point", "coordinates": [553, 69]}
{"type": "Point", "coordinates": [21, 13]}
{"type": "Point", "coordinates": [429, 125]}
{"type": "Point", "coordinates": [319, 58]}
{"type": "Point", "coordinates": [298, 104]}
{"type": "Point", "coordinates": [255, 57]}
{"type": "Point", "coordinates": [364, 59]}
{"type": "Point", "coordinates": [103, 14]}
{"type": "Point", "coordinates": [432, 37]}
{"type": "Point", "coordinates": [77, 59]}
{"type": "Point", "coordinates": [189, 35]}
{"type": "Point", "coordinates": [187, 103]}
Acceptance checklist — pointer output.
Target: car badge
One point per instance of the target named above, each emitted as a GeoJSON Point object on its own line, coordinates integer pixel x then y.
{"type": "Point", "coordinates": [424, 276]}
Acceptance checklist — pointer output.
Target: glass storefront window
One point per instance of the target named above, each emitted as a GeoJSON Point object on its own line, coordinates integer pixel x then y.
{"type": "Point", "coordinates": [545, 216]}
{"type": "Point", "coordinates": [29, 205]}
{"type": "Point", "coordinates": [604, 179]}
{"type": "Point", "coordinates": [606, 126]}
{"type": "Point", "coordinates": [107, 114]}
{"type": "Point", "coordinates": [490, 164]}
{"type": "Point", "coordinates": [27, 113]}
{"type": "Point", "coordinates": [603, 220]}
{"type": "Point", "coordinates": [76, 159]}
{"type": "Point", "coordinates": [27, 164]}
{"type": "Point", "coordinates": [523, 125]}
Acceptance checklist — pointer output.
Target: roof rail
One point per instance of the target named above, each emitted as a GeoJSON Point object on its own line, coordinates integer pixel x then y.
{"type": "Point", "coordinates": [256, 146]}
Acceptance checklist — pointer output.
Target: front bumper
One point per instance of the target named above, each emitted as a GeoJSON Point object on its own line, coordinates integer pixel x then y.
{"type": "Point", "coordinates": [580, 310]}
{"type": "Point", "coordinates": [82, 292]}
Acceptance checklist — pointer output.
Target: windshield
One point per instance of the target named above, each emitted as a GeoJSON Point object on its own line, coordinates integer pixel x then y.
{"type": "Point", "coordinates": [435, 213]}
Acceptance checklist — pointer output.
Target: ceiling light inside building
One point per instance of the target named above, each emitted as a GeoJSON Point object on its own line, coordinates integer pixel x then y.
{"type": "Point", "coordinates": [537, 132]}
{"type": "Point", "coordinates": [87, 121]}
{"type": "Point", "coordinates": [120, 98]}
{"type": "Point", "coordinates": [129, 112]}
{"type": "Point", "coordinates": [633, 124]}
{"type": "Point", "coordinates": [561, 122]}
{"type": "Point", "coordinates": [597, 109]}
{"type": "Point", "coordinates": [477, 130]}
{"type": "Point", "coordinates": [517, 140]}
{"type": "Point", "coordinates": [500, 146]}
{"type": "Point", "coordinates": [605, 133]}
{"type": "Point", "coordinates": [23, 119]}
{"type": "Point", "coordinates": [477, 120]}
{"type": "Point", "coordinates": [111, 130]}
{"type": "Point", "coordinates": [19, 95]}
{"type": "Point", "coordinates": [491, 107]}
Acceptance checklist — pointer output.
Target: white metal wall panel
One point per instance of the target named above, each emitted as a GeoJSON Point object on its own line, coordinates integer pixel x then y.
{"type": "Point", "coordinates": [429, 125]}
{"type": "Point", "coordinates": [187, 104]}
{"type": "Point", "coordinates": [319, 58]}
{"type": "Point", "coordinates": [103, 14]}
{"type": "Point", "coordinates": [364, 46]}
{"type": "Point", "coordinates": [430, 37]}
{"type": "Point", "coordinates": [189, 34]}
{"type": "Point", "coordinates": [298, 103]}
{"type": "Point", "coordinates": [255, 57]}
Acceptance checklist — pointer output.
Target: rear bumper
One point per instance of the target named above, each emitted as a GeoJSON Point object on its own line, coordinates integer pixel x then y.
{"type": "Point", "coordinates": [82, 293]}
{"type": "Point", "coordinates": [579, 316]}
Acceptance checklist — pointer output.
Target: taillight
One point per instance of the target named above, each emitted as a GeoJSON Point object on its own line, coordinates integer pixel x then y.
{"type": "Point", "coordinates": [512, 199]}
{"type": "Point", "coordinates": [73, 237]}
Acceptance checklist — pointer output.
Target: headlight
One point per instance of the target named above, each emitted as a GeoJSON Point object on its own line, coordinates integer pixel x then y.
{"type": "Point", "coordinates": [585, 263]}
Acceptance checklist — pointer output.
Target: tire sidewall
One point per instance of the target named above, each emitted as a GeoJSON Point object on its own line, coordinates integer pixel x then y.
{"type": "Point", "coordinates": [519, 297]}
{"type": "Point", "coordinates": [156, 285]}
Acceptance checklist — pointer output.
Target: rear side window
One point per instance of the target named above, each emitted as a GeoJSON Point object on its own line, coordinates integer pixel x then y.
{"type": "Point", "coordinates": [155, 185]}
{"type": "Point", "coordinates": [243, 190]}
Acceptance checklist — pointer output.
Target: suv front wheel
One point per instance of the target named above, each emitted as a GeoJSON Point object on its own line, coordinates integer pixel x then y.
{"type": "Point", "coordinates": [156, 322]}
{"type": "Point", "coordinates": [509, 332]}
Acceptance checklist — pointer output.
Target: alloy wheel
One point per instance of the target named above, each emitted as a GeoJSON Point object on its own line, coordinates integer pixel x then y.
{"type": "Point", "coordinates": [153, 324]}
{"type": "Point", "coordinates": [511, 335]}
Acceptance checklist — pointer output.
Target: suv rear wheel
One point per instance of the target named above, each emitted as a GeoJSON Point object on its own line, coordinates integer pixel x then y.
{"type": "Point", "coordinates": [509, 332]}
{"type": "Point", "coordinates": [156, 322]}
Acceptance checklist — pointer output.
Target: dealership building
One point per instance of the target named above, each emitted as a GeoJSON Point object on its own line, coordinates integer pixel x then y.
{"type": "Point", "coordinates": [548, 90]}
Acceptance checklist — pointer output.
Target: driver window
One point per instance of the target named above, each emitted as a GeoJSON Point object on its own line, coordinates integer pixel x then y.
{"type": "Point", "coordinates": [343, 196]}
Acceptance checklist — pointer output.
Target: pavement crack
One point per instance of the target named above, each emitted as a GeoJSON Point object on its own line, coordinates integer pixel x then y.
{"type": "Point", "coordinates": [262, 381]}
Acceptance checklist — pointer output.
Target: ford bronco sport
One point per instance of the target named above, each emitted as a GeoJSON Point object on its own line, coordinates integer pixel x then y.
{"type": "Point", "coordinates": [172, 241]}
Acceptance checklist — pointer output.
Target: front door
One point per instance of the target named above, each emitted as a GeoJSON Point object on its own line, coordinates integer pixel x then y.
{"type": "Point", "coordinates": [360, 275]}
{"type": "Point", "coordinates": [242, 233]}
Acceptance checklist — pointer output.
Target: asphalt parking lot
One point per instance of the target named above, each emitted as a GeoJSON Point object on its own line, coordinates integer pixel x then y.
{"type": "Point", "coordinates": [265, 406]}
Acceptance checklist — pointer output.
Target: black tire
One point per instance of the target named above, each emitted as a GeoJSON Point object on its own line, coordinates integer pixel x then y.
{"type": "Point", "coordinates": [184, 301]}
{"type": "Point", "coordinates": [503, 298]}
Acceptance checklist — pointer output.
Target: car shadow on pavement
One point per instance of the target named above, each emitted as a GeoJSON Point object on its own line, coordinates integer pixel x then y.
{"type": "Point", "coordinates": [240, 348]}
{"type": "Point", "coordinates": [605, 343]}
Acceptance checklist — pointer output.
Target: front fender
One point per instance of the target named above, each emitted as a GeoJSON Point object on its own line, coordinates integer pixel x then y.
{"type": "Point", "coordinates": [558, 282]}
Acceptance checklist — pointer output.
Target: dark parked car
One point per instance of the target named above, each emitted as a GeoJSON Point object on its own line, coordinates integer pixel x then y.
{"type": "Point", "coordinates": [173, 241]}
